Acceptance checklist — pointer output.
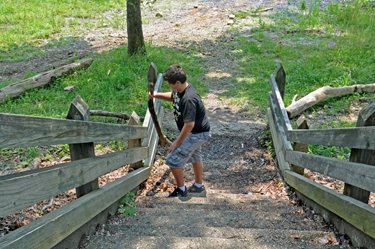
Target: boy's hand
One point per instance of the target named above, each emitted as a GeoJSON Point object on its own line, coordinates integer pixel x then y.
{"type": "Point", "coordinates": [150, 96]}
{"type": "Point", "coordinates": [173, 146]}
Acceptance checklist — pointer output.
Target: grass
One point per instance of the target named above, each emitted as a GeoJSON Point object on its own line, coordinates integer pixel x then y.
{"type": "Point", "coordinates": [343, 55]}
{"type": "Point", "coordinates": [20, 24]}
{"type": "Point", "coordinates": [339, 53]}
{"type": "Point", "coordinates": [123, 90]}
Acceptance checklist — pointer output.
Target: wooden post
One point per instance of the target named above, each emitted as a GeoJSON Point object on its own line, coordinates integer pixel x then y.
{"type": "Point", "coordinates": [366, 117]}
{"type": "Point", "coordinates": [280, 79]}
{"type": "Point", "coordinates": [79, 110]}
{"type": "Point", "coordinates": [132, 143]}
{"type": "Point", "coordinates": [301, 124]}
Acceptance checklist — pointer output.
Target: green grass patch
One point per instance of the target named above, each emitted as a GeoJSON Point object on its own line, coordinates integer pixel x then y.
{"type": "Point", "coordinates": [24, 22]}
{"type": "Point", "coordinates": [340, 53]}
{"type": "Point", "coordinates": [123, 90]}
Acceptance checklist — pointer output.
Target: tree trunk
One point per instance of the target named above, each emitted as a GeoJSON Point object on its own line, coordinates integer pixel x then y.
{"type": "Point", "coordinates": [134, 27]}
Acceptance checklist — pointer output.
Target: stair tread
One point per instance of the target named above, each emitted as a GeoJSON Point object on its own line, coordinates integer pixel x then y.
{"type": "Point", "coordinates": [196, 242]}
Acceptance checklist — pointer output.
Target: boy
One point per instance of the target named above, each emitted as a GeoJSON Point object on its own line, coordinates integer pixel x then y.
{"type": "Point", "coordinates": [191, 120]}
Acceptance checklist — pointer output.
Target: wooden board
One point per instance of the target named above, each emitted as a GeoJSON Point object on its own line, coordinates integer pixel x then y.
{"type": "Point", "coordinates": [28, 131]}
{"type": "Point", "coordinates": [52, 228]}
{"type": "Point", "coordinates": [366, 117]}
{"type": "Point", "coordinates": [134, 143]}
{"type": "Point", "coordinates": [357, 174]}
{"type": "Point", "coordinates": [79, 110]}
{"type": "Point", "coordinates": [280, 79]}
{"type": "Point", "coordinates": [359, 137]}
{"type": "Point", "coordinates": [280, 104]}
{"type": "Point", "coordinates": [280, 129]}
{"type": "Point", "coordinates": [38, 81]}
{"type": "Point", "coordinates": [283, 165]}
{"type": "Point", "coordinates": [359, 214]}
{"type": "Point", "coordinates": [23, 189]}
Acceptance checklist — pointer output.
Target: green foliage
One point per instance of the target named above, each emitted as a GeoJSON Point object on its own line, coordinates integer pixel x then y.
{"type": "Point", "coordinates": [339, 53]}
{"type": "Point", "coordinates": [127, 205]}
{"type": "Point", "coordinates": [19, 24]}
{"type": "Point", "coordinates": [124, 90]}
{"type": "Point", "coordinates": [266, 140]}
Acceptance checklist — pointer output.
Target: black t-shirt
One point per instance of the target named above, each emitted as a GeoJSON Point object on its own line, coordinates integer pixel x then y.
{"type": "Point", "coordinates": [188, 107]}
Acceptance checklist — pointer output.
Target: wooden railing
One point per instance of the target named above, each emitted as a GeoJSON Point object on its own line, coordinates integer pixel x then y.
{"type": "Point", "coordinates": [358, 174]}
{"type": "Point", "coordinates": [21, 190]}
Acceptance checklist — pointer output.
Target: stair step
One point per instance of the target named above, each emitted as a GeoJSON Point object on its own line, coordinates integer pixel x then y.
{"type": "Point", "coordinates": [281, 209]}
{"type": "Point", "coordinates": [213, 232]}
{"type": "Point", "coordinates": [214, 198]}
{"type": "Point", "coordinates": [167, 242]}
{"type": "Point", "coordinates": [233, 219]}
{"type": "Point", "coordinates": [217, 211]}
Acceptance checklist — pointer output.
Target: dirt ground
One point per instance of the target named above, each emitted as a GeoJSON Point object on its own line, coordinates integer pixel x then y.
{"type": "Point", "coordinates": [234, 158]}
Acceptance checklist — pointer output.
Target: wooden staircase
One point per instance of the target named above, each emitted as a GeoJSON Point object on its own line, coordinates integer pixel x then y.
{"type": "Point", "coordinates": [215, 221]}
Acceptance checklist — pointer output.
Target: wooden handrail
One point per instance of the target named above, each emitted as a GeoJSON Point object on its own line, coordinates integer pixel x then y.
{"type": "Point", "coordinates": [27, 131]}
{"type": "Point", "coordinates": [358, 174]}
{"type": "Point", "coordinates": [16, 193]}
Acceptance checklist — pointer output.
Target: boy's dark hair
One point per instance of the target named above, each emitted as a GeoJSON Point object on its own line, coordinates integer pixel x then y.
{"type": "Point", "coordinates": [174, 73]}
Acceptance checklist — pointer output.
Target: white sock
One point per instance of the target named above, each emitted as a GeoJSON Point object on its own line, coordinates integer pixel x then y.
{"type": "Point", "coordinates": [182, 188]}
{"type": "Point", "coordinates": [198, 185]}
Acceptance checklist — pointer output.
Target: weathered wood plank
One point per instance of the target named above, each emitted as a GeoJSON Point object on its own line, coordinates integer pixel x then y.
{"type": "Point", "coordinates": [153, 143]}
{"type": "Point", "coordinates": [79, 110]}
{"type": "Point", "coordinates": [28, 131]}
{"type": "Point", "coordinates": [52, 228]}
{"type": "Point", "coordinates": [366, 117]}
{"type": "Point", "coordinates": [134, 143]}
{"type": "Point", "coordinates": [283, 165]}
{"type": "Point", "coordinates": [38, 81]}
{"type": "Point", "coordinates": [17, 193]}
{"type": "Point", "coordinates": [359, 137]}
{"type": "Point", "coordinates": [280, 104]}
{"type": "Point", "coordinates": [281, 79]}
{"type": "Point", "coordinates": [359, 214]}
{"type": "Point", "coordinates": [301, 124]}
{"type": "Point", "coordinates": [285, 144]}
{"type": "Point", "coordinates": [357, 174]}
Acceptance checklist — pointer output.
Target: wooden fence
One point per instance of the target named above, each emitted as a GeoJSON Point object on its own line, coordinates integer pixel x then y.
{"type": "Point", "coordinates": [358, 174]}
{"type": "Point", "coordinates": [21, 190]}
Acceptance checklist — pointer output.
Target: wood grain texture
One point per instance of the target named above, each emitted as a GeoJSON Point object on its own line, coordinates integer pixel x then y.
{"type": "Point", "coordinates": [28, 131]}
{"type": "Point", "coordinates": [359, 137]}
{"type": "Point", "coordinates": [280, 129]}
{"type": "Point", "coordinates": [366, 117]}
{"type": "Point", "coordinates": [38, 81]}
{"type": "Point", "coordinates": [283, 165]}
{"type": "Point", "coordinates": [280, 104]}
{"type": "Point", "coordinates": [302, 147]}
{"type": "Point", "coordinates": [357, 174]}
{"type": "Point", "coordinates": [52, 228]}
{"type": "Point", "coordinates": [24, 189]}
{"type": "Point", "coordinates": [280, 79]}
{"type": "Point", "coordinates": [359, 214]}
{"type": "Point", "coordinates": [134, 143]}
{"type": "Point", "coordinates": [79, 110]}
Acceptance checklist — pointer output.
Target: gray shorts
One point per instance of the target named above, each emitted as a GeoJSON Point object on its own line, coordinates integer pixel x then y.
{"type": "Point", "coordinates": [189, 151]}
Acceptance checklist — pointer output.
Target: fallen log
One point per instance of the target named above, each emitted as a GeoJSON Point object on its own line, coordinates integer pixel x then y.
{"type": "Point", "coordinates": [112, 114]}
{"type": "Point", "coordinates": [41, 80]}
{"type": "Point", "coordinates": [323, 94]}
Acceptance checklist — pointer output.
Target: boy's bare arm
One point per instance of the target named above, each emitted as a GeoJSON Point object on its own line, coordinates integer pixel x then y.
{"type": "Point", "coordinates": [164, 96]}
{"type": "Point", "coordinates": [186, 129]}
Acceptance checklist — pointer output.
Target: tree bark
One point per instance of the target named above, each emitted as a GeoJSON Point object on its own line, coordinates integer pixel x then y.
{"type": "Point", "coordinates": [134, 27]}
{"type": "Point", "coordinates": [323, 94]}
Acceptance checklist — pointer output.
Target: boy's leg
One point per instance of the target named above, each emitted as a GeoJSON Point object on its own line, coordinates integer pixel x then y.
{"type": "Point", "coordinates": [178, 176]}
{"type": "Point", "coordinates": [198, 172]}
